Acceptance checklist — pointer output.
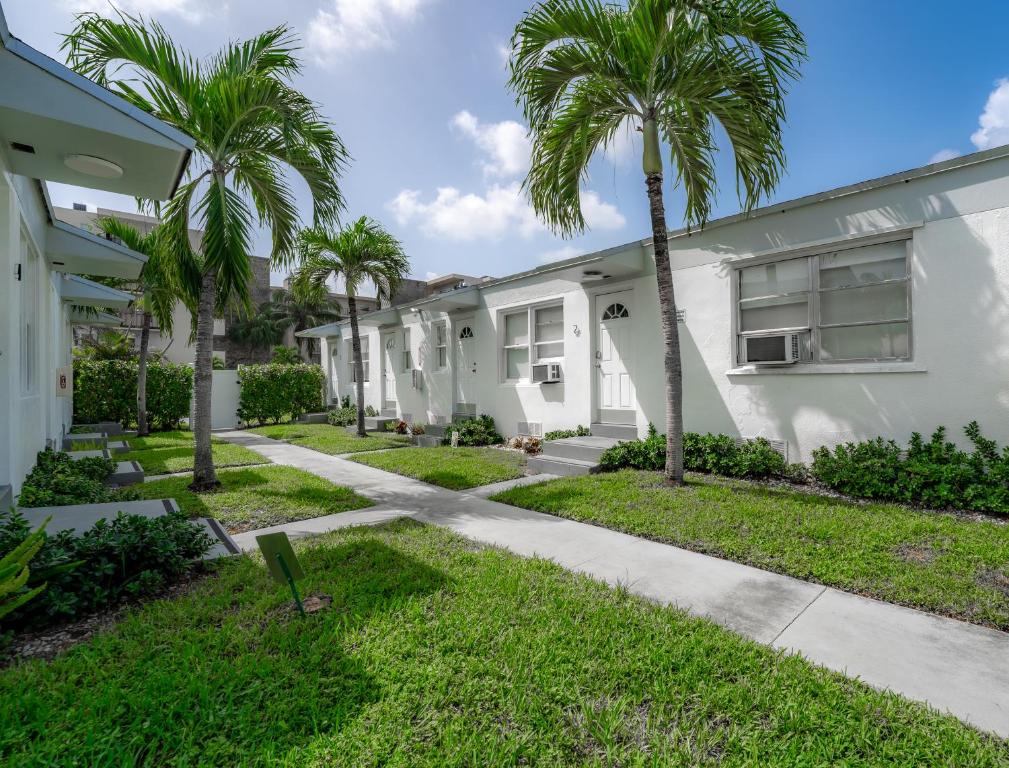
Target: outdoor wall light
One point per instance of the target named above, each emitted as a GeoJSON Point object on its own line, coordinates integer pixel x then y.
{"type": "Point", "coordinates": [93, 166]}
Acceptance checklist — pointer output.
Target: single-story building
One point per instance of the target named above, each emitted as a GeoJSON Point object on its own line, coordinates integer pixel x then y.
{"type": "Point", "coordinates": [58, 126]}
{"type": "Point", "coordinates": [879, 308]}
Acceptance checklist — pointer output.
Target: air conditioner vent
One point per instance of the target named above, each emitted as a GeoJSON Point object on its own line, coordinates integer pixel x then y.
{"type": "Point", "coordinates": [547, 373]}
{"type": "Point", "coordinates": [530, 429]}
{"type": "Point", "coordinates": [780, 446]}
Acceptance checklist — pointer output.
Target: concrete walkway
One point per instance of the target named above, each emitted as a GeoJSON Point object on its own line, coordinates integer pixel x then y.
{"type": "Point", "coordinates": [956, 667]}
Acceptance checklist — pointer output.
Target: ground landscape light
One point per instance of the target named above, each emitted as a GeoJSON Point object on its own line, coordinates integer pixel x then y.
{"type": "Point", "coordinates": [93, 166]}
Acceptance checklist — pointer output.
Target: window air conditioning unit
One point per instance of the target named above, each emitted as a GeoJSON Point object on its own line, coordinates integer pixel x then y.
{"type": "Point", "coordinates": [417, 378]}
{"type": "Point", "coordinates": [778, 349]}
{"type": "Point", "coordinates": [547, 373]}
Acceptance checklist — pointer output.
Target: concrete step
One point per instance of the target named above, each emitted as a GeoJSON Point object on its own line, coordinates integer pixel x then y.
{"type": "Point", "coordinates": [555, 465]}
{"type": "Point", "coordinates": [125, 473]}
{"type": "Point", "coordinates": [225, 546]}
{"type": "Point", "coordinates": [619, 431]}
{"type": "Point", "coordinates": [588, 448]}
{"type": "Point", "coordinates": [387, 413]}
{"type": "Point", "coordinates": [117, 446]}
{"type": "Point", "coordinates": [108, 427]}
{"type": "Point", "coordinates": [434, 430]}
{"type": "Point", "coordinates": [313, 418]}
{"type": "Point", "coordinates": [75, 455]}
{"type": "Point", "coordinates": [427, 441]}
{"type": "Point", "coordinates": [85, 438]}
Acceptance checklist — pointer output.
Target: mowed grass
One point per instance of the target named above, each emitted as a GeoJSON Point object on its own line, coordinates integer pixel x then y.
{"type": "Point", "coordinates": [436, 652]}
{"type": "Point", "coordinates": [330, 439]}
{"type": "Point", "coordinates": [258, 497]}
{"type": "Point", "coordinates": [161, 453]}
{"type": "Point", "coordinates": [940, 563]}
{"type": "Point", "coordinates": [454, 468]}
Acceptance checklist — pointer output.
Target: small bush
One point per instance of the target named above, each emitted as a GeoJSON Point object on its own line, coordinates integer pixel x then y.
{"type": "Point", "coordinates": [417, 429]}
{"type": "Point", "coordinates": [106, 390]}
{"type": "Point", "coordinates": [271, 393]}
{"type": "Point", "coordinates": [715, 454]}
{"type": "Point", "coordinates": [934, 473]}
{"type": "Point", "coordinates": [57, 480]}
{"type": "Point", "coordinates": [474, 432]}
{"type": "Point", "coordinates": [399, 426]}
{"type": "Point", "coordinates": [285, 356]}
{"type": "Point", "coordinates": [560, 434]}
{"type": "Point", "coordinates": [369, 410]}
{"type": "Point", "coordinates": [343, 416]}
{"type": "Point", "coordinates": [128, 557]}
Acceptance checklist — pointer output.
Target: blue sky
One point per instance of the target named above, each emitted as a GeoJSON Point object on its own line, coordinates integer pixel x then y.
{"type": "Point", "coordinates": [416, 88]}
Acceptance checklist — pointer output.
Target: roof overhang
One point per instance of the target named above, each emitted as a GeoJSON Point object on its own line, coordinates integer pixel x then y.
{"type": "Point", "coordinates": [76, 251]}
{"type": "Point", "coordinates": [104, 319]}
{"type": "Point", "coordinates": [328, 331]}
{"type": "Point", "coordinates": [87, 293]}
{"type": "Point", "coordinates": [379, 318]}
{"type": "Point", "coordinates": [52, 114]}
{"type": "Point", "coordinates": [450, 301]}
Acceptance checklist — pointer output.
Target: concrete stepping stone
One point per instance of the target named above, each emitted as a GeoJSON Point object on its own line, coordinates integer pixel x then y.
{"type": "Point", "coordinates": [101, 454]}
{"type": "Point", "coordinates": [85, 438]}
{"type": "Point", "coordinates": [313, 418]}
{"type": "Point", "coordinates": [118, 446]}
{"type": "Point", "coordinates": [125, 473]}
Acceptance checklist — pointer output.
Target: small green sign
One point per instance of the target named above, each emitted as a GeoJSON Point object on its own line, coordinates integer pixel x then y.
{"type": "Point", "coordinates": [277, 552]}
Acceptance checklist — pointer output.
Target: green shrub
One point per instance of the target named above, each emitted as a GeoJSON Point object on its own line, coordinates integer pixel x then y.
{"type": "Point", "coordinates": [128, 557]}
{"type": "Point", "coordinates": [369, 410]}
{"type": "Point", "coordinates": [344, 416]}
{"type": "Point", "coordinates": [716, 454]}
{"type": "Point", "coordinates": [285, 355]}
{"type": "Point", "coordinates": [57, 479]}
{"type": "Point", "coordinates": [935, 473]}
{"type": "Point", "coordinates": [15, 573]}
{"type": "Point", "coordinates": [271, 393]}
{"type": "Point", "coordinates": [474, 432]}
{"type": "Point", "coordinates": [560, 434]}
{"type": "Point", "coordinates": [106, 390]}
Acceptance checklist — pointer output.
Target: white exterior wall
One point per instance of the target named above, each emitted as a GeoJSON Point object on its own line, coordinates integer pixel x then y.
{"type": "Point", "coordinates": [958, 222]}
{"type": "Point", "coordinates": [34, 416]}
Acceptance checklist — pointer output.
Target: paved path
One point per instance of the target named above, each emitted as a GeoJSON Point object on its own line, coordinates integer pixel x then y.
{"type": "Point", "coordinates": [956, 667]}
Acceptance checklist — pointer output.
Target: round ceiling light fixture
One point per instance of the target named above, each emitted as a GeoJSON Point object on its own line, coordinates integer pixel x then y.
{"type": "Point", "coordinates": [93, 166]}
{"type": "Point", "coordinates": [592, 274]}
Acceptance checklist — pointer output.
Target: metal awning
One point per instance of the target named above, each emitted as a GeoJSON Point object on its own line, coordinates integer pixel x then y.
{"type": "Point", "coordinates": [76, 251]}
{"type": "Point", "coordinates": [327, 331]}
{"type": "Point", "coordinates": [105, 319]}
{"type": "Point", "coordinates": [87, 293]}
{"type": "Point", "coordinates": [60, 126]}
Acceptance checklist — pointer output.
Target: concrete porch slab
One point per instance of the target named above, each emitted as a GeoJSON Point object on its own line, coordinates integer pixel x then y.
{"type": "Point", "coordinates": [102, 454]}
{"type": "Point", "coordinates": [80, 517]}
{"type": "Point", "coordinates": [85, 438]}
{"type": "Point", "coordinates": [126, 473]}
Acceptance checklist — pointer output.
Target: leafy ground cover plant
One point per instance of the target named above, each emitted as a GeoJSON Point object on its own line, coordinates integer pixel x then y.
{"type": "Point", "coordinates": [128, 557]}
{"type": "Point", "coordinates": [58, 479]}
{"type": "Point", "coordinates": [560, 434]}
{"type": "Point", "coordinates": [343, 416]}
{"type": "Point", "coordinates": [474, 432]}
{"type": "Point", "coordinates": [934, 473]}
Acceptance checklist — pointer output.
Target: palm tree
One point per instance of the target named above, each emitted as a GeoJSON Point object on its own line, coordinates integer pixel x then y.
{"type": "Point", "coordinates": [257, 331]}
{"type": "Point", "coordinates": [306, 305]}
{"type": "Point", "coordinates": [359, 253]}
{"type": "Point", "coordinates": [250, 126]}
{"type": "Point", "coordinates": [675, 70]}
{"type": "Point", "coordinates": [159, 291]}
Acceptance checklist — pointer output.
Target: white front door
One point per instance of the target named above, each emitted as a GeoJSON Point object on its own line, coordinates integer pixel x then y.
{"type": "Point", "coordinates": [389, 360]}
{"type": "Point", "coordinates": [465, 372]}
{"type": "Point", "coordinates": [614, 354]}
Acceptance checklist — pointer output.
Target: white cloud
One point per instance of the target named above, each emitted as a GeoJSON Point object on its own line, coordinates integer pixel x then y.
{"type": "Point", "coordinates": [560, 254]}
{"type": "Point", "coordinates": [505, 144]}
{"type": "Point", "coordinates": [994, 120]}
{"type": "Point", "coordinates": [431, 275]}
{"type": "Point", "coordinates": [626, 145]}
{"type": "Point", "coordinates": [504, 53]}
{"type": "Point", "coordinates": [942, 155]}
{"type": "Point", "coordinates": [502, 210]}
{"type": "Point", "coordinates": [192, 11]}
{"type": "Point", "coordinates": [346, 26]}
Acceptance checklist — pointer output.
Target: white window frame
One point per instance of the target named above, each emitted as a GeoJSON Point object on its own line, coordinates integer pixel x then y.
{"type": "Point", "coordinates": [365, 359]}
{"type": "Point", "coordinates": [441, 345]}
{"type": "Point", "coordinates": [813, 324]}
{"type": "Point", "coordinates": [29, 317]}
{"type": "Point", "coordinates": [407, 353]}
{"type": "Point", "coordinates": [531, 344]}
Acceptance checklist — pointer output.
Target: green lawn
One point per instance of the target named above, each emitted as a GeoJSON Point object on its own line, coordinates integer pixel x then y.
{"type": "Point", "coordinates": [258, 497]}
{"type": "Point", "coordinates": [164, 452]}
{"type": "Point", "coordinates": [455, 468]}
{"type": "Point", "coordinates": [936, 562]}
{"type": "Point", "coordinates": [437, 652]}
{"type": "Point", "coordinates": [329, 439]}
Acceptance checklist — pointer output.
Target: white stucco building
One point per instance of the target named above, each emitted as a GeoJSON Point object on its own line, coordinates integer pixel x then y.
{"type": "Point", "coordinates": [879, 308]}
{"type": "Point", "coordinates": [58, 126]}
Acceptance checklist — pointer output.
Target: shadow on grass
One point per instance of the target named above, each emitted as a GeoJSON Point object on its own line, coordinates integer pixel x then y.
{"type": "Point", "coordinates": [231, 675]}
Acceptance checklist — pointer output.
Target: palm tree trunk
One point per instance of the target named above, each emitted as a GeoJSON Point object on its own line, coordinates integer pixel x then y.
{"type": "Point", "coordinates": [145, 337]}
{"type": "Point", "coordinates": [204, 476]}
{"type": "Point", "coordinates": [672, 368]}
{"type": "Point", "coordinates": [358, 365]}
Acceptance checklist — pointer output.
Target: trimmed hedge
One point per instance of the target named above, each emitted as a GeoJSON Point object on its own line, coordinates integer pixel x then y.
{"type": "Point", "coordinates": [716, 454]}
{"type": "Point", "coordinates": [106, 390]}
{"type": "Point", "coordinates": [474, 432]}
{"type": "Point", "coordinates": [935, 474]}
{"type": "Point", "coordinates": [57, 480]}
{"type": "Point", "coordinates": [271, 393]}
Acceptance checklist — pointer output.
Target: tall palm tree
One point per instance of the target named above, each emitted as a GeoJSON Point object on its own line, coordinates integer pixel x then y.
{"type": "Point", "coordinates": [359, 253]}
{"type": "Point", "coordinates": [676, 70]}
{"type": "Point", "coordinates": [159, 291]}
{"type": "Point", "coordinates": [250, 126]}
{"type": "Point", "coordinates": [305, 305]}
{"type": "Point", "coordinates": [260, 330]}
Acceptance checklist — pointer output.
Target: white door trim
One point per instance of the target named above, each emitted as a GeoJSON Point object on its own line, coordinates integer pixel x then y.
{"type": "Point", "coordinates": [388, 368]}
{"type": "Point", "coordinates": [600, 299]}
